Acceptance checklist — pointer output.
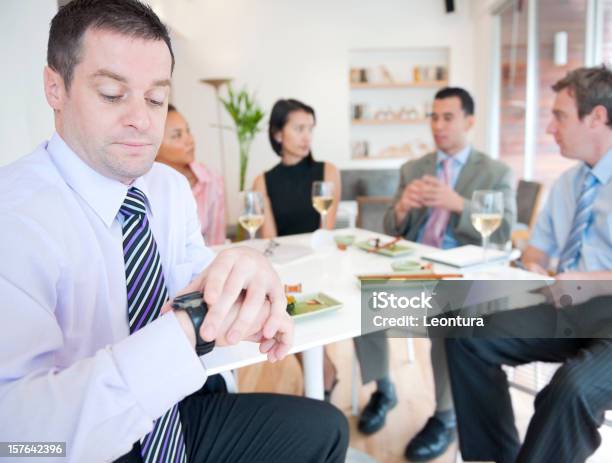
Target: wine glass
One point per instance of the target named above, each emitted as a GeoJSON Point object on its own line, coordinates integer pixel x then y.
{"type": "Point", "coordinates": [487, 214]}
{"type": "Point", "coordinates": [322, 198]}
{"type": "Point", "coordinates": [251, 212]}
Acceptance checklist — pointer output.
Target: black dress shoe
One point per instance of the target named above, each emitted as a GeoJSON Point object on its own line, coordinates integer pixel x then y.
{"type": "Point", "coordinates": [431, 441]}
{"type": "Point", "coordinates": [373, 417]}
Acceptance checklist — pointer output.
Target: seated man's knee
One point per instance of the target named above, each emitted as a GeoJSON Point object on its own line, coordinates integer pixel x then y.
{"type": "Point", "coordinates": [334, 422]}
{"type": "Point", "coordinates": [460, 344]}
{"type": "Point", "coordinates": [567, 385]}
{"type": "Point", "coordinates": [326, 430]}
{"type": "Point", "coordinates": [487, 351]}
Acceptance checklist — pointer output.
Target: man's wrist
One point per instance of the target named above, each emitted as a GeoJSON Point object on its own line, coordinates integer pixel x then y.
{"type": "Point", "coordinates": [459, 205]}
{"type": "Point", "coordinates": [186, 324]}
{"type": "Point", "coordinates": [400, 213]}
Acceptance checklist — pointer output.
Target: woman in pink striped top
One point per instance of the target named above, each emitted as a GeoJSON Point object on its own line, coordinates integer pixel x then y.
{"type": "Point", "coordinates": [178, 151]}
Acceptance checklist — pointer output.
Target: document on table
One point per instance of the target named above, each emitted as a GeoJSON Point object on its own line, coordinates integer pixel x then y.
{"type": "Point", "coordinates": [466, 256]}
{"type": "Point", "coordinates": [285, 253]}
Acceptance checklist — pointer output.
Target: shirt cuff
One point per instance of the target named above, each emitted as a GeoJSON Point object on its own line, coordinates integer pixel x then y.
{"type": "Point", "coordinates": [159, 365]}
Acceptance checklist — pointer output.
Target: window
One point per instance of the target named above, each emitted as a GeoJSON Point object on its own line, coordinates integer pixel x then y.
{"type": "Point", "coordinates": [553, 16]}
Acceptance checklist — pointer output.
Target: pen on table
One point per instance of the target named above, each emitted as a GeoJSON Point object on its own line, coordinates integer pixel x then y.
{"type": "Point", "coordinates": [518, 263]}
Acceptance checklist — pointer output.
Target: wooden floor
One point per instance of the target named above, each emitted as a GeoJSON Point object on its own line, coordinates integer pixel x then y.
{"type": "Point", "coordinates": [415, 392]}
{"type": "Point", "coordinates": [413, 382]}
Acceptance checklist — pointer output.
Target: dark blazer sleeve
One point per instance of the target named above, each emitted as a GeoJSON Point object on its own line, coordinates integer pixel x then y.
{"type": "Point", "coordinates": [408, 172]}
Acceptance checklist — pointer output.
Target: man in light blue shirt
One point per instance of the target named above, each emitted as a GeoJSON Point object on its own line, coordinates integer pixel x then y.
{"type": "Point", "coordinates": [574, 228]}
{"type": "Point", "coordinates": [554, 223]}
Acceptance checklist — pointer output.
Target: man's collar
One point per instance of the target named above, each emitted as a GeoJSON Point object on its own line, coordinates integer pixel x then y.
{"type": "Point", "coordinates": [104, 195]}
{"type": "Point", "coordinates": [603, 169]}
{"type": "Point", "coordinates": [461, 156]}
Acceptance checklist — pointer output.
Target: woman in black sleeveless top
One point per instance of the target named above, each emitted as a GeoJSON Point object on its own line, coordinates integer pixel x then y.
{"type": "Point", "coordinates": [287, 187]}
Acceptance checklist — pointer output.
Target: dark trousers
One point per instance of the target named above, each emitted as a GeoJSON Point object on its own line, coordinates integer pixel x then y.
{"type": "Point", "coordinates": [568, 411]}
{"type": "Point", "coordinates": [257, 428]}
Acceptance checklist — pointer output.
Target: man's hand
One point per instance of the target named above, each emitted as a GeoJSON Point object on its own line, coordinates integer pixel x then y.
{"type": "Point", "coordinates": [535, 260]}
{"type": "Point", "coordinates": [254, 333]}
{"type": "Point", "coordinates": [410, 199]}
{"type": "Point", "coordinates": [536, 268]}
{"type": "Point", "coordinates": [246, 301]}
{"type": "Point", "coordinates": [438, 194]}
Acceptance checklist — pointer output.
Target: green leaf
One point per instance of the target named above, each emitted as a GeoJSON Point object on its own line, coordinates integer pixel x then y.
{"type": "Point", "coordinates": [247, 116]}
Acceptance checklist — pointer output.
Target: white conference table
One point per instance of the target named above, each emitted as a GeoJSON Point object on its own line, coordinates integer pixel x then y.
{"type": "Point", "coordinates": [333, 271]}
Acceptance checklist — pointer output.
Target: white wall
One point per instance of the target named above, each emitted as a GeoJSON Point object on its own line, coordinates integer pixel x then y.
{"type": "Point", "coordinates": [25, 117]}
{"type": "Point", "coordinates": [278, 48]}
{"type": "Point", "coordinates": [290, 48]}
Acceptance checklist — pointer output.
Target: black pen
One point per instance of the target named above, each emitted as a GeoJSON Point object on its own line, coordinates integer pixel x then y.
{"type": "Point", "coordinates": [518, 263]}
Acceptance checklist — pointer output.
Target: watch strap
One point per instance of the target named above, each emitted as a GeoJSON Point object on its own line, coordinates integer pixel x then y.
{"type": "Point", "coordinates": [193, 303]}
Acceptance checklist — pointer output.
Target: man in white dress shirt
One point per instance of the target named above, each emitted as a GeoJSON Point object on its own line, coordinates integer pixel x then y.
{"type": "Point", "coordinates": [76, 364]}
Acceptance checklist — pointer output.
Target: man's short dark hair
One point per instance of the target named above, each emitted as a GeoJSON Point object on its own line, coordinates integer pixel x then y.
{"type": "Point", "coordinates": [467, 102]}
{"type": "Point", "coordinates": [590, 87]}
{"type": "Point", "coordinates": [127, 17]}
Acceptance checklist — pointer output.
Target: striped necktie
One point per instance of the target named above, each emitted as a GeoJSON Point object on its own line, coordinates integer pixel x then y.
{"type": "Point", "coordinates": [582, 219]}
{"type": "Point", "coordinates": [146, 293]}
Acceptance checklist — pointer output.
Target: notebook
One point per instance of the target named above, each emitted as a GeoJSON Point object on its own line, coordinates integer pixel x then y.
{"type": "Point", "coordinates": [466, 256]}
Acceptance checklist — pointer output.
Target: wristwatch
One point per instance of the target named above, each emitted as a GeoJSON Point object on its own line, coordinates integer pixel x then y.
{"type": "Point", "coordinates": [193, 303]}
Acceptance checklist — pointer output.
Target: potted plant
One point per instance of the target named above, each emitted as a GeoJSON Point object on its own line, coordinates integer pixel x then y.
{"type": "Point", "coordinates": [247, 115]}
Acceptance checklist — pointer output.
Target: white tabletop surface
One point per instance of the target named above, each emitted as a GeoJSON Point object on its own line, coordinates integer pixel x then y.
{"type": "Point", "coordinates": [333, 271]}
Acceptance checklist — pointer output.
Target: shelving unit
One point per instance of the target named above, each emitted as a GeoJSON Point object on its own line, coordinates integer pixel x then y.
{"type": "Point", "coordinates": [389, 121]}
{"type": "Point", "coordinates": [388, 111]}
{"type": "Point", "coordinates": [396, 85]}
{"type": "Point", "coordinates": [367, 158]}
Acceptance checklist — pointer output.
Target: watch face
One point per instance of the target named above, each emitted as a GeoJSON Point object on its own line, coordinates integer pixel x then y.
{"type": "Point", "coordinates": [189, 300]}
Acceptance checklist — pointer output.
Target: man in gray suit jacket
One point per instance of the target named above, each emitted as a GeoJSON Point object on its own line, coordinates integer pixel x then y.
{"type": "Point", "coordinates": [433, 206]}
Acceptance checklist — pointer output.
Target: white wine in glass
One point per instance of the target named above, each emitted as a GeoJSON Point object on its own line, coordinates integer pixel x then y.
{"type": "Point", "coordinates": [486, 224]}
{"type": "Point", "coordinates": [487, 214]}
{"type": "Point", "coordinates": [252, 212]}
{"type": "Point", "coordinates": [322, 198]}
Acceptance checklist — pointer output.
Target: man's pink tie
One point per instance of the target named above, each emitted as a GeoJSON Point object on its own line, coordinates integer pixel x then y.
{"type": "Point", "coordinates": [439, 217]}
